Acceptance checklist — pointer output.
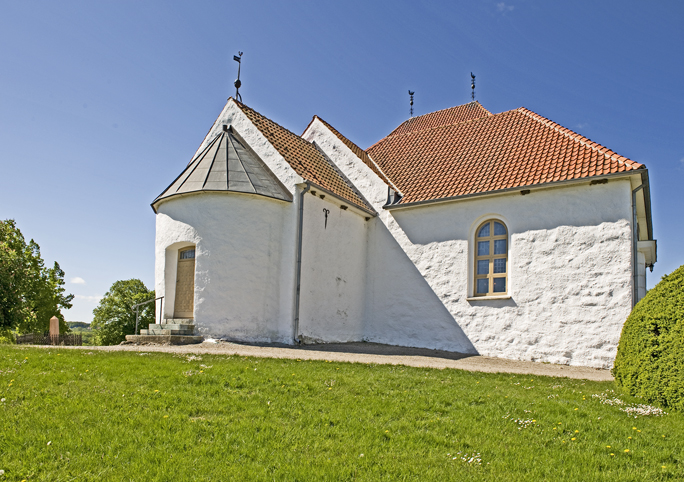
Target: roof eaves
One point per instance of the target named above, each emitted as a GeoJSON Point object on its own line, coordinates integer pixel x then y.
{"type": "Point", "coordinates": [546, 185]}
{"type": "Point", "coordinates": [159, 197]}
{"type": "Point", "coordinates": [158, 201]}
{"type": "Point", "coordinates": [366, 209]}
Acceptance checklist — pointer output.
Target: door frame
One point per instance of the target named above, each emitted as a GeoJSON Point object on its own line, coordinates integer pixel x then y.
{"type": "Point", "coordinates": [173, 254]}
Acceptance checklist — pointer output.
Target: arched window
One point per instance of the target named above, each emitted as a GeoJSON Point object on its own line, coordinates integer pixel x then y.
{"type": "Point", "coordinates": [491, 259]}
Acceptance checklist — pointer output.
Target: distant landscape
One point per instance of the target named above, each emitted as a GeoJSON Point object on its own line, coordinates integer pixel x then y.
{"type": "Point", "coordinates": [83, 328]}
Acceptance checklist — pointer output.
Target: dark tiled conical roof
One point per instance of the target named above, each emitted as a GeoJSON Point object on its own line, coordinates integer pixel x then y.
{"type": "Point", "coordinates": [226, 165]}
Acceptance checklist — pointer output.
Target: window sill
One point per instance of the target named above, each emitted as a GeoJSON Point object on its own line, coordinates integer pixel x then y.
{"type": "Point", "coordinates": [487, 298]}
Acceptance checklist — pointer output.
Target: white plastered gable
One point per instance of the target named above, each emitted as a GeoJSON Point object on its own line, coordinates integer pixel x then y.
{"type": "Point", "coordinates": [232, 115]}
{"type": "Point", "coordinates": [359, 174]}
{"type": "Point", "coordinates": [371, 186]}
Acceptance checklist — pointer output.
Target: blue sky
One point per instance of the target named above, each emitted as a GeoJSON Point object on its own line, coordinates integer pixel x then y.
{"type": "Point", "coordinates": [103, 103]}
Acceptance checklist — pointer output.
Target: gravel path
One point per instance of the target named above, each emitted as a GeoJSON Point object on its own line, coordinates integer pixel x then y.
{"type": "Point", "coordinates": [372, 353]}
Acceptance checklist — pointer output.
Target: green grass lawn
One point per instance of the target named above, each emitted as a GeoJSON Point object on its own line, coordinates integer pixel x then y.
{"type": "Point", "coordinates": [82, 415]}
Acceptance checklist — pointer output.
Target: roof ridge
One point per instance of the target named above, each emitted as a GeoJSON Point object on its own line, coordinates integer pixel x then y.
{"type": "Point", "coordinates": [442, 126]}
{"type": "Point", "coordinates": [448, 108]}
{"type": "Point", "coordinates": [585, 141]}
{"type": "Point", "coordinates": [410, 119]}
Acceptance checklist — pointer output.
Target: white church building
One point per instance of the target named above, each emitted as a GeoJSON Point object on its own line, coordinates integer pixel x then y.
{"type": "Point", "coordinates": [504, 235]}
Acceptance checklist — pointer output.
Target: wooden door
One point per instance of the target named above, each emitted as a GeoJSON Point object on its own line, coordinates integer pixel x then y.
{"type": "Point", "coordinates": [185, 284]}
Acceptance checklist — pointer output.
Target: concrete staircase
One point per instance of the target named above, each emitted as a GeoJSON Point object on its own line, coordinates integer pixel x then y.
{"type": "Point", "coordinates": [174, 331]}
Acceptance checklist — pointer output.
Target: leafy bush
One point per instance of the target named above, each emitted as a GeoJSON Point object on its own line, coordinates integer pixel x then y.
{"type": "Point", "coordinates": [6, 336]}
{"type": "Point", "coordinates": [114, 317]}
{"type": "Point", "coordinates": [650, 357]}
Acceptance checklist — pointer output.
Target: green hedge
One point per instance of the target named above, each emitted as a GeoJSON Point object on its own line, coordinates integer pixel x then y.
{"type": "Point", "coordinates": [650, 357]}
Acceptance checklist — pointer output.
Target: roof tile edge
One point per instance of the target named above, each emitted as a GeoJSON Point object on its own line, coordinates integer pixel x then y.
{"type": "Point", "coordinates": [609, 153]}
{"type": "Point", "coordinates": [361, 203]}
{"type": "Point", "coordinates": [345, 140]}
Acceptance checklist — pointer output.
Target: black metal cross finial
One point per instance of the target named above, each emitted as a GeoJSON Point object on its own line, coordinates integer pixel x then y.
{"type": "Point", "coordinates": [472, 86]}
{"type": "Point", "coordinates": [237, 83]}
{"type": "Point", "coordinates": [411, 95]}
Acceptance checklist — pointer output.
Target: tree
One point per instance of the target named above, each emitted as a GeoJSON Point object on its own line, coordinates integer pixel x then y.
{"type": "Point", "coordinates": [30, 293]}
{"type": "Point", "coordinates": [114, 317]}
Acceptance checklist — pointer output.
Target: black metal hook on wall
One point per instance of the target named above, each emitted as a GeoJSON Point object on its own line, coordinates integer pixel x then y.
{"type": "Point", "coordinates": [326, 212]}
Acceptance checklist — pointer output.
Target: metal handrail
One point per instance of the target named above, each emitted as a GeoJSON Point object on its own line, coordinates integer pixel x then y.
{"type": "Point", "coordinates": [137, 310]}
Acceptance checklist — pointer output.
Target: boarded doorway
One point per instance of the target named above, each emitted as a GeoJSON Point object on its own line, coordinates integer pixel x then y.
{"type": "Point", "coordinates": [185, 284]}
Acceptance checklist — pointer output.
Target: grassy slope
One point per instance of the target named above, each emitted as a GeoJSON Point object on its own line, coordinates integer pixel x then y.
{"type": "Point", "coordinates": [135, 416]}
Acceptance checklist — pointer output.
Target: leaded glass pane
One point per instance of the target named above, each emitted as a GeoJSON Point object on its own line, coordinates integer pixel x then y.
{"type": "Point", "coordinates": [499, 265]}
{"type": "Point", "coordinates": [482, 286]}
{"type": "Point", "coordinates": [483, 266]}
{"type": "Point", "coordinates": [500, 246]}
{"type": "Point", "coordinates": [483, 248]}
{"type": "Point", "coordinates": [484, 231]}
{"type": "Point", "coordinates": [499, 285]}
{"type": "Point", "coordinates": [187, 254]}
{"type": "Point", "coordinates": [499, 229]}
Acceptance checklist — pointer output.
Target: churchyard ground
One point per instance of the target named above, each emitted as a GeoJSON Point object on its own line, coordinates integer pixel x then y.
{"type": "Point", "coordinates": [94, 415]}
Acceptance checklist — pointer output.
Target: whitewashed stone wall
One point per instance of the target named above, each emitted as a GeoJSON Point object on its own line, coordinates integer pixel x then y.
{"type": "Point", "coordinates": [244, 263]}
{"type": "Point", "coordinates": [405, 276]}
{"type": "Point", "coordinates": [570, 275]}
{"type": "Point", "coordinates": [401, 308]}
{"type": "Point", "coordinates": [333, 282]}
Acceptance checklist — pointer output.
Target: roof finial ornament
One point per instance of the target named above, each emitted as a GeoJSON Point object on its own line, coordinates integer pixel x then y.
{"type": "Point", "coordinates": [472, 86]}
{"type": "Point", "coordinates": [238, 59]}
{"type": "Point", "coordinates": [411, 94]}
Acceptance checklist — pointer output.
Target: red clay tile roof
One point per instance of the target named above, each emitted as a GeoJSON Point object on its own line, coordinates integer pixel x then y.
{"type": "Point", "coordinates": [513, 149]}
{"type": "Point", "coordinates": [304, 158]}
{"type": "Point", "coordinates": [445, 117]}
{"type": "Point", "coordinates": [360, 153]}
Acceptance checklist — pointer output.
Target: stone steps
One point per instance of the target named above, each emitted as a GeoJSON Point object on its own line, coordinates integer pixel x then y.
{"type": "Point", "coordinates": [182, 321]}
{"type": "Point", "coordinates": [161, 331]}
{"type": "Point", "coordinates": [174, 331]}
{"type": "Point", "coordinates": [172, 326]}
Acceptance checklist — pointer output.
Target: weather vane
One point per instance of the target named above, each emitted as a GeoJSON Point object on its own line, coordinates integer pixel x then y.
{"type": "Point", "coordinates": [472, 86]}
{"type": "Point", "coordinates": [411, 94]}
{"type": "Point", "coordinates": [238, 59]}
